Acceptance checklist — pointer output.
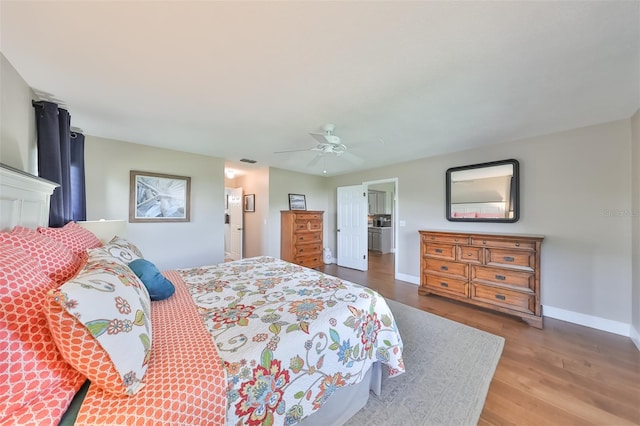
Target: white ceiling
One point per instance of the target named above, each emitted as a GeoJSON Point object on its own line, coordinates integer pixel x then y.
{"type": "Point", "coordinates": [245, 79]}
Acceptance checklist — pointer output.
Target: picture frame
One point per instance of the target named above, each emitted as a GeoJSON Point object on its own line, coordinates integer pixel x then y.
{"type": "Point", "coordinates": [297, 202]}
{"type": "Point", "coordinates": [249, 203]}
{"type": "Point", "coordinates": [159, 197]}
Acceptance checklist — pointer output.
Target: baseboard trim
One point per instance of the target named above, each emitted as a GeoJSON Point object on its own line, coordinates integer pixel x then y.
{"type": "Point", "coordinates": [408, 278]}
{"type": "Point", "coordinates": [635, 337]}
{"type": "Point", "coordinates": [591, 321]}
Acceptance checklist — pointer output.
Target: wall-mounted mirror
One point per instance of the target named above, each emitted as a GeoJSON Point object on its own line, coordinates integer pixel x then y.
{"type": "Point", "coordinates": [486, 192]}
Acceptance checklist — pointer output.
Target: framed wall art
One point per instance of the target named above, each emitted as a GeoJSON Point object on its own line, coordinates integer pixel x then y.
{"type": "Point", "coordinates": [297, 202]}
{"type": "Point", "coordinates": [158, 197]}
{"type": "Point", "coordinates": [250, 203]}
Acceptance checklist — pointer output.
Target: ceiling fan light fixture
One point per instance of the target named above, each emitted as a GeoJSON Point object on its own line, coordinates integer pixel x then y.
{"type": "Point", "coordinates": [230, 173]}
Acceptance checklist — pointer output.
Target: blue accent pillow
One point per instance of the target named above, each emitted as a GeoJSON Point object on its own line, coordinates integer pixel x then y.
{"type": "Point", "coordinates": [157, 285]}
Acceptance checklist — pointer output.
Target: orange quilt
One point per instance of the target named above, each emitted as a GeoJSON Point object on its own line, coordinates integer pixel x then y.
{"type": "Point", "coordinates": [185, 382]}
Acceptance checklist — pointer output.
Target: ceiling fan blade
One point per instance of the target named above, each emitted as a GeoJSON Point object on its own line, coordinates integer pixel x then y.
{"type": "Point", "coordinates": [352, 158]}
{"type": "Point", "coordinates": [320, 137]}
{"type": "Point", "coordinates": [294, 150]}
{"type": "Point", "coordinates": [315, 160]}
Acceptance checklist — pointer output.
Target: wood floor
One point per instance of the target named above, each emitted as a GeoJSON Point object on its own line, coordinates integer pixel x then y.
{"type": "Point", "coordinates": [565, 374]}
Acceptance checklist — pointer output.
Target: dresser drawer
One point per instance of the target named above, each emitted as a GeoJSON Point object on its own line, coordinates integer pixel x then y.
{"type": "Point", "coordinates": [506, 243]}
{"type": "Point", "coordinates": [446, 267]}
{"type": "Point", "coordinates": [312, 261]}
{"type": "Point", "coordinates": [308, 237]}
{"type": "Point", "coordinates": [307, 249]}
{"type": "Point", "coordinates": [522, 302]}
{"type": "Point", "coordinates": [470, 254]}
{"type": "Point", "coordinates": [450, 239]}
{"type": "Point", "coordinates": [446, 284]}
{"type": "Point", "coordinates": [441, 251]}
{"type": "Point", "coordinates": [498, 276]}
{"type": "Point", "coordinates": [520, 259]}
{"type": "Point", "coordinates": [307, 225]}
{"type": "Point", "coordinates": [309, 216]}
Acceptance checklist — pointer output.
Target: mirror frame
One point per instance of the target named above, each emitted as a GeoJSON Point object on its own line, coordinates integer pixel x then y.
{"type": "Point", "coordinates": [515, 191]}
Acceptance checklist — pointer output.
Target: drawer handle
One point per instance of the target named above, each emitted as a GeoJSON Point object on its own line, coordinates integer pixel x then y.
{"type": "Point", "coordinates": [469, 254]}
{"type": "Point", "coordinates": [484, 242]}
{"type": "Point", "coordinates": [438, 250]}
{"type": "Point", "coordinates": [508, 259]}
{"type": "Point", "coordinates": [444, 284]}
{"type": "Point", "coordinates": [500, 297]}
{"type": "Point", "coordinates": [501, 277]}
{"type": "Point", "coordinates": [517, 244]}
{"type": "Point", "coordinates": [444, 268]}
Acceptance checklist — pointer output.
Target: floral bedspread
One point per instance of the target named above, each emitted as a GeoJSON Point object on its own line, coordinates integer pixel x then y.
{"type": "Point", "coordinates": [290, 336]}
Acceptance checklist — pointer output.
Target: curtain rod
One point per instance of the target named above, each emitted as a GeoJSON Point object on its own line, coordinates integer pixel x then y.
{"type": "Point", "coordinates": [60, 105]}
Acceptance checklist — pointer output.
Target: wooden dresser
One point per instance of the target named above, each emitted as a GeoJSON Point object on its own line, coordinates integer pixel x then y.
{"type": "Point", "coordinates": [495, 271]}
{"type": "Point", "coordinates": [301, 237]}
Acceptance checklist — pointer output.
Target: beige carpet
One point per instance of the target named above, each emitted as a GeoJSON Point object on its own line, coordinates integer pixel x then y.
{"type": "Point", "coordinates": [449, 368]}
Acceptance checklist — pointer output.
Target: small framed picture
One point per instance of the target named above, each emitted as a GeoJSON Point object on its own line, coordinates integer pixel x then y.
{"type": "Point", "coordinates": [250, 203]}
{"type": "Point", "coordinates": [297, 202]}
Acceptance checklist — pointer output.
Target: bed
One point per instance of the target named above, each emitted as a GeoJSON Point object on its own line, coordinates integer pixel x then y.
{"type": "Point", "coordinates": [255, 341]}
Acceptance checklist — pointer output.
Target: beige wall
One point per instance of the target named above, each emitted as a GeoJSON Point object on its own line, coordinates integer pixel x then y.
{"type": "Point", "coordinates": [168, 245]}
{"type": "Point", "coordinates": [255, 230]}
{"type": "Point", "coordinates": [635, 225]}
{"type": "Point", "coordinates": [17, 120]}
{"type": "Point", "coordinates": [574, 185]}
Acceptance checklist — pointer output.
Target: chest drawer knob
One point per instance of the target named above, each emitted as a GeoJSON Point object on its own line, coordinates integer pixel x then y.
{"type": "Point", "coordinates": [444, 268]}
{"type": "Point", "coordinates": [501, 277]}
{"type": "Point", "coordinates": [484, 242]}
{"type": "Point", "coordinates": [444, 284]}
{"type": "Point", "coordinates": [508, 259]}
{"type": "Point", "coordinates": [438, 250]}
{"type": "Point", "coordinates": [517, 244]}
{"type": "Point", "coordinates": [500, 297]}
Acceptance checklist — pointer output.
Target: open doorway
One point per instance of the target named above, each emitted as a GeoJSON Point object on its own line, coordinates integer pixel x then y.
{"type": "Point", "coordinates": [382, 225]}
{"type": "Point", "coordinates": [233, 224]}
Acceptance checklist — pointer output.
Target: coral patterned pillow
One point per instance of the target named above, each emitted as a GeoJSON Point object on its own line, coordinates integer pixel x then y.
{"type": "Point", "coordinates": [56, 260]}
{"type": "Point", "coordinates": [105, 329]}
{"type": "Point", "coordinates": [74, 236]}
{"type": "Point", "coordinates": [36, 383]}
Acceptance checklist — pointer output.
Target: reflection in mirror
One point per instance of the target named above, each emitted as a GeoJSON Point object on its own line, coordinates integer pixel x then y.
{"type": "Point", "coordinates": [486, 192]}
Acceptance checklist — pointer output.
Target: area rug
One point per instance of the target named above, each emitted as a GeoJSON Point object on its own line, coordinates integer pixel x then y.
{"type": "Point", "coordinates": [449, 368]}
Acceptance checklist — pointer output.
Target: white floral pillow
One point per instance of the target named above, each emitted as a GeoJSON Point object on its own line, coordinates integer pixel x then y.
{"type": "Point", "coordinates": [112, 305]}
{"type": "Point", "coordinates": [119, 248]}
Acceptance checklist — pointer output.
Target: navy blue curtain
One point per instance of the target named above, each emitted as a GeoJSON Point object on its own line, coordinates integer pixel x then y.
{"type": "Point", "coordinates": [55, 149]}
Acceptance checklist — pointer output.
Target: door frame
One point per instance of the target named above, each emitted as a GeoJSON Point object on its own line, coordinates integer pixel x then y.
{"type": "Point", "coordinates": [396, 216]}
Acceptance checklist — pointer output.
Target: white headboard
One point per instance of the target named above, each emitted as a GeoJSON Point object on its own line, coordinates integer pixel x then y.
{"type": "Point", "coordinates": [24, 199]}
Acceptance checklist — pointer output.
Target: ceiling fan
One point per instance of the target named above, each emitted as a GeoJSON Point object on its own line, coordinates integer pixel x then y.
{"type": "Point", "coordinates": [329, 144]}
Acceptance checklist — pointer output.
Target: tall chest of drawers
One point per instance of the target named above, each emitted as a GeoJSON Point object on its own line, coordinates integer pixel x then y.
{"type": "Point", "coordinates": [301, 237]}
{"type": "Point", "coordinates": [495, 271]}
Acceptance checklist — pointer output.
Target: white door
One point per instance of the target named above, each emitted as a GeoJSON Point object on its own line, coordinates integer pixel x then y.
{"type": "Point", "coordinates": [352, 227]}
{"type": "Point", "coordinates": [236, 224]}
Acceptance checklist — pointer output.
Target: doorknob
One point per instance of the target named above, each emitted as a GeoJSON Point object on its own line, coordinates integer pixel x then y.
{"type": "Point", "coordinates": [338, 230]}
